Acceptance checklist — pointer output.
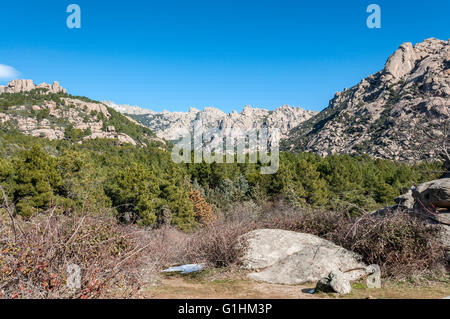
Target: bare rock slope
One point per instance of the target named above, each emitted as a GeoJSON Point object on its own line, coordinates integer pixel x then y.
{"type": "Point", "coordinates": [401, 112]}
{"type": "Point", "coordinates": [174, 125]}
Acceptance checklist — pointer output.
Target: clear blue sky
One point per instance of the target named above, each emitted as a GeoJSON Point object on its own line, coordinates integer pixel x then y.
{"type": "Point", "coordinates": [176, 54]}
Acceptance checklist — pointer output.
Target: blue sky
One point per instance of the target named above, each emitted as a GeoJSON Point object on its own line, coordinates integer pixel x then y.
{"type": "Point", "coordinates": [176, 54]}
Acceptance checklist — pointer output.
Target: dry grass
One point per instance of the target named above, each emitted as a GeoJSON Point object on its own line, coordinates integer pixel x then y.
{"type": "Point", "coordinates": [34, 262]}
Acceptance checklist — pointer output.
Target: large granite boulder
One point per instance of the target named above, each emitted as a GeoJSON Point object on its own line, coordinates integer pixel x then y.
{"type": "Point", "coordinates": [287, 257]}
{"type": "Point", "coordinates": [433, 194]}
{"type": "Point", "coordinates": [430, 200]}
{"type": "Point", "coordinates": [405, 200]}
{"type": "Point", "coordinates": [335, 282]}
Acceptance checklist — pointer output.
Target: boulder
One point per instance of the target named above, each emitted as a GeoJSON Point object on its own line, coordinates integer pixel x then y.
{"type": "Point", "coordinates": [374, 279]}
{"type": "Point", "coordinates": [435, 193]}
{"type": "Point", "coordinates": [431, 200]}
{"type": "Point", "coordinates": [52, 88]}
{"type": "Point", "coordinates": [434, 197]}
{"type": "Point", "coordinates": [287, 257]}
{"type": "Point", "coordinates": [323, 285]}
{"type": "Point", "coordinates": [339, 282]}
{"type": "Point", "coordinates": [125, 139]}
{"type": "Point", "coordinates": [336, 281]}
{"type": "Point", "coordinates": [405, 200]}
{"type": "Point", "coordinates": [121, 137]}
{"type": "Point", "coordinates": [51, 134]}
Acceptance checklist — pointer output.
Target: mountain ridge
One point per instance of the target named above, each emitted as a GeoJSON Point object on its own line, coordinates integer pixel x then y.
{"type": "Point", "coordinates": [399, 112]}
{"type": "Point", "coordinates": [174, 125]}
{"type": "Point", "coordinates": [48, 111]}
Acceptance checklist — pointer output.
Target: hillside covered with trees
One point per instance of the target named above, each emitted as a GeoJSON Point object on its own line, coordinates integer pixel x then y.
{"type": "Point", "coordinates": [142, 184]}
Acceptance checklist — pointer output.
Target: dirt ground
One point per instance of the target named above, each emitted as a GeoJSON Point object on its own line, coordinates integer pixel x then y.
{"type": "Point", "coordinates": [237, 286]}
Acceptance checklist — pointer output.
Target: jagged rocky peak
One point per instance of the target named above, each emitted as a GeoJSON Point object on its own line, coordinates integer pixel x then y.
{"type": "Point", "coordinates": [172, 125]}
{"type": "Point", "coordinates": [402, 61]}
{"type": "Point", "coordinates": [393, 113]}
{"type": "Point", "coordinates": [127, 109]}
{"type": "Point", "coordinates": [213, 111]}
{"type": "Point", "coordinates": [430, 59]}
{"type": "Point", "coordinates": [17, 86]}
{"type": "Point", "coordinates": [193, 110]}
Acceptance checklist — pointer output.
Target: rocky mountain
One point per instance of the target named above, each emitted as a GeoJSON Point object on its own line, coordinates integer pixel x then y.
{"type": "Point", "coordinates": [401, 112]}
{"type": "Point", "coordinates": [127, 109]}
{"type": "Point", "coordinates": [173, 125]}
{"type": "Point", "coordinates": [17, 86]}
{"type": "Point", "coordinates": [48, 111]}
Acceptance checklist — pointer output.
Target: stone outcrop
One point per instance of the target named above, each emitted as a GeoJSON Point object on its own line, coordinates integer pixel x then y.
{"type": "Point", "coordinates": [287, 257]}
{"type": "Point", "coordinates": [56, 116]}
{"type": "Point", "coordinates": [121, 137]}
{"type": "Point", "coordinates": [17, 86]}
{"type": "Point", "coordinates": [402, 61]}
{"type": "Point", "coordinates": [434, 194]}
{"type": "Point", "coordinates": [336, 281]}
{"type": "Point", "coordinates": [405, 200]}
{"type": "Point", "coordinates": [398, 113]}
{"type": "Point", "coordinates": [431, 201]}
{"type": "Point", "coordinates": [51, 134]}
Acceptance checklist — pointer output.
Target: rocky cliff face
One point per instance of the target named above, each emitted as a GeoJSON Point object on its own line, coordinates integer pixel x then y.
{"type": "Point", "coordinates": [48, 111]}
{"type": "Point", "coordinates": [173, 125]}
{"type": "Point", "coordinates": [17, 86]}
{"type": "Point", "coordinates": [401, 112]}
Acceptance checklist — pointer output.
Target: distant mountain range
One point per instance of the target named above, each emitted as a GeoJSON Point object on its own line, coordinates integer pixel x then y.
{"type": "Point", "coordinates": [173, 125]}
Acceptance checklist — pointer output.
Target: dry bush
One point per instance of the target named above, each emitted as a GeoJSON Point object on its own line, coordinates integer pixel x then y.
{"type": "Point", "coordinates": [399, 243]}
{"type": "Point", "coordinates": [166, 247]}
{"type": "Point", "coordinates": [34, 261]}
{"type": "Point", "coordinates": [202, 210]}
{"type": "Point", "coordinates": [247, 211]}
{"type": "Point", "coordinates": [218, 244]}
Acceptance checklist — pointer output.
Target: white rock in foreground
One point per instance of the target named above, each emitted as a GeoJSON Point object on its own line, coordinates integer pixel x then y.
{"type": "Point", "coordinates": [287, 257]}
